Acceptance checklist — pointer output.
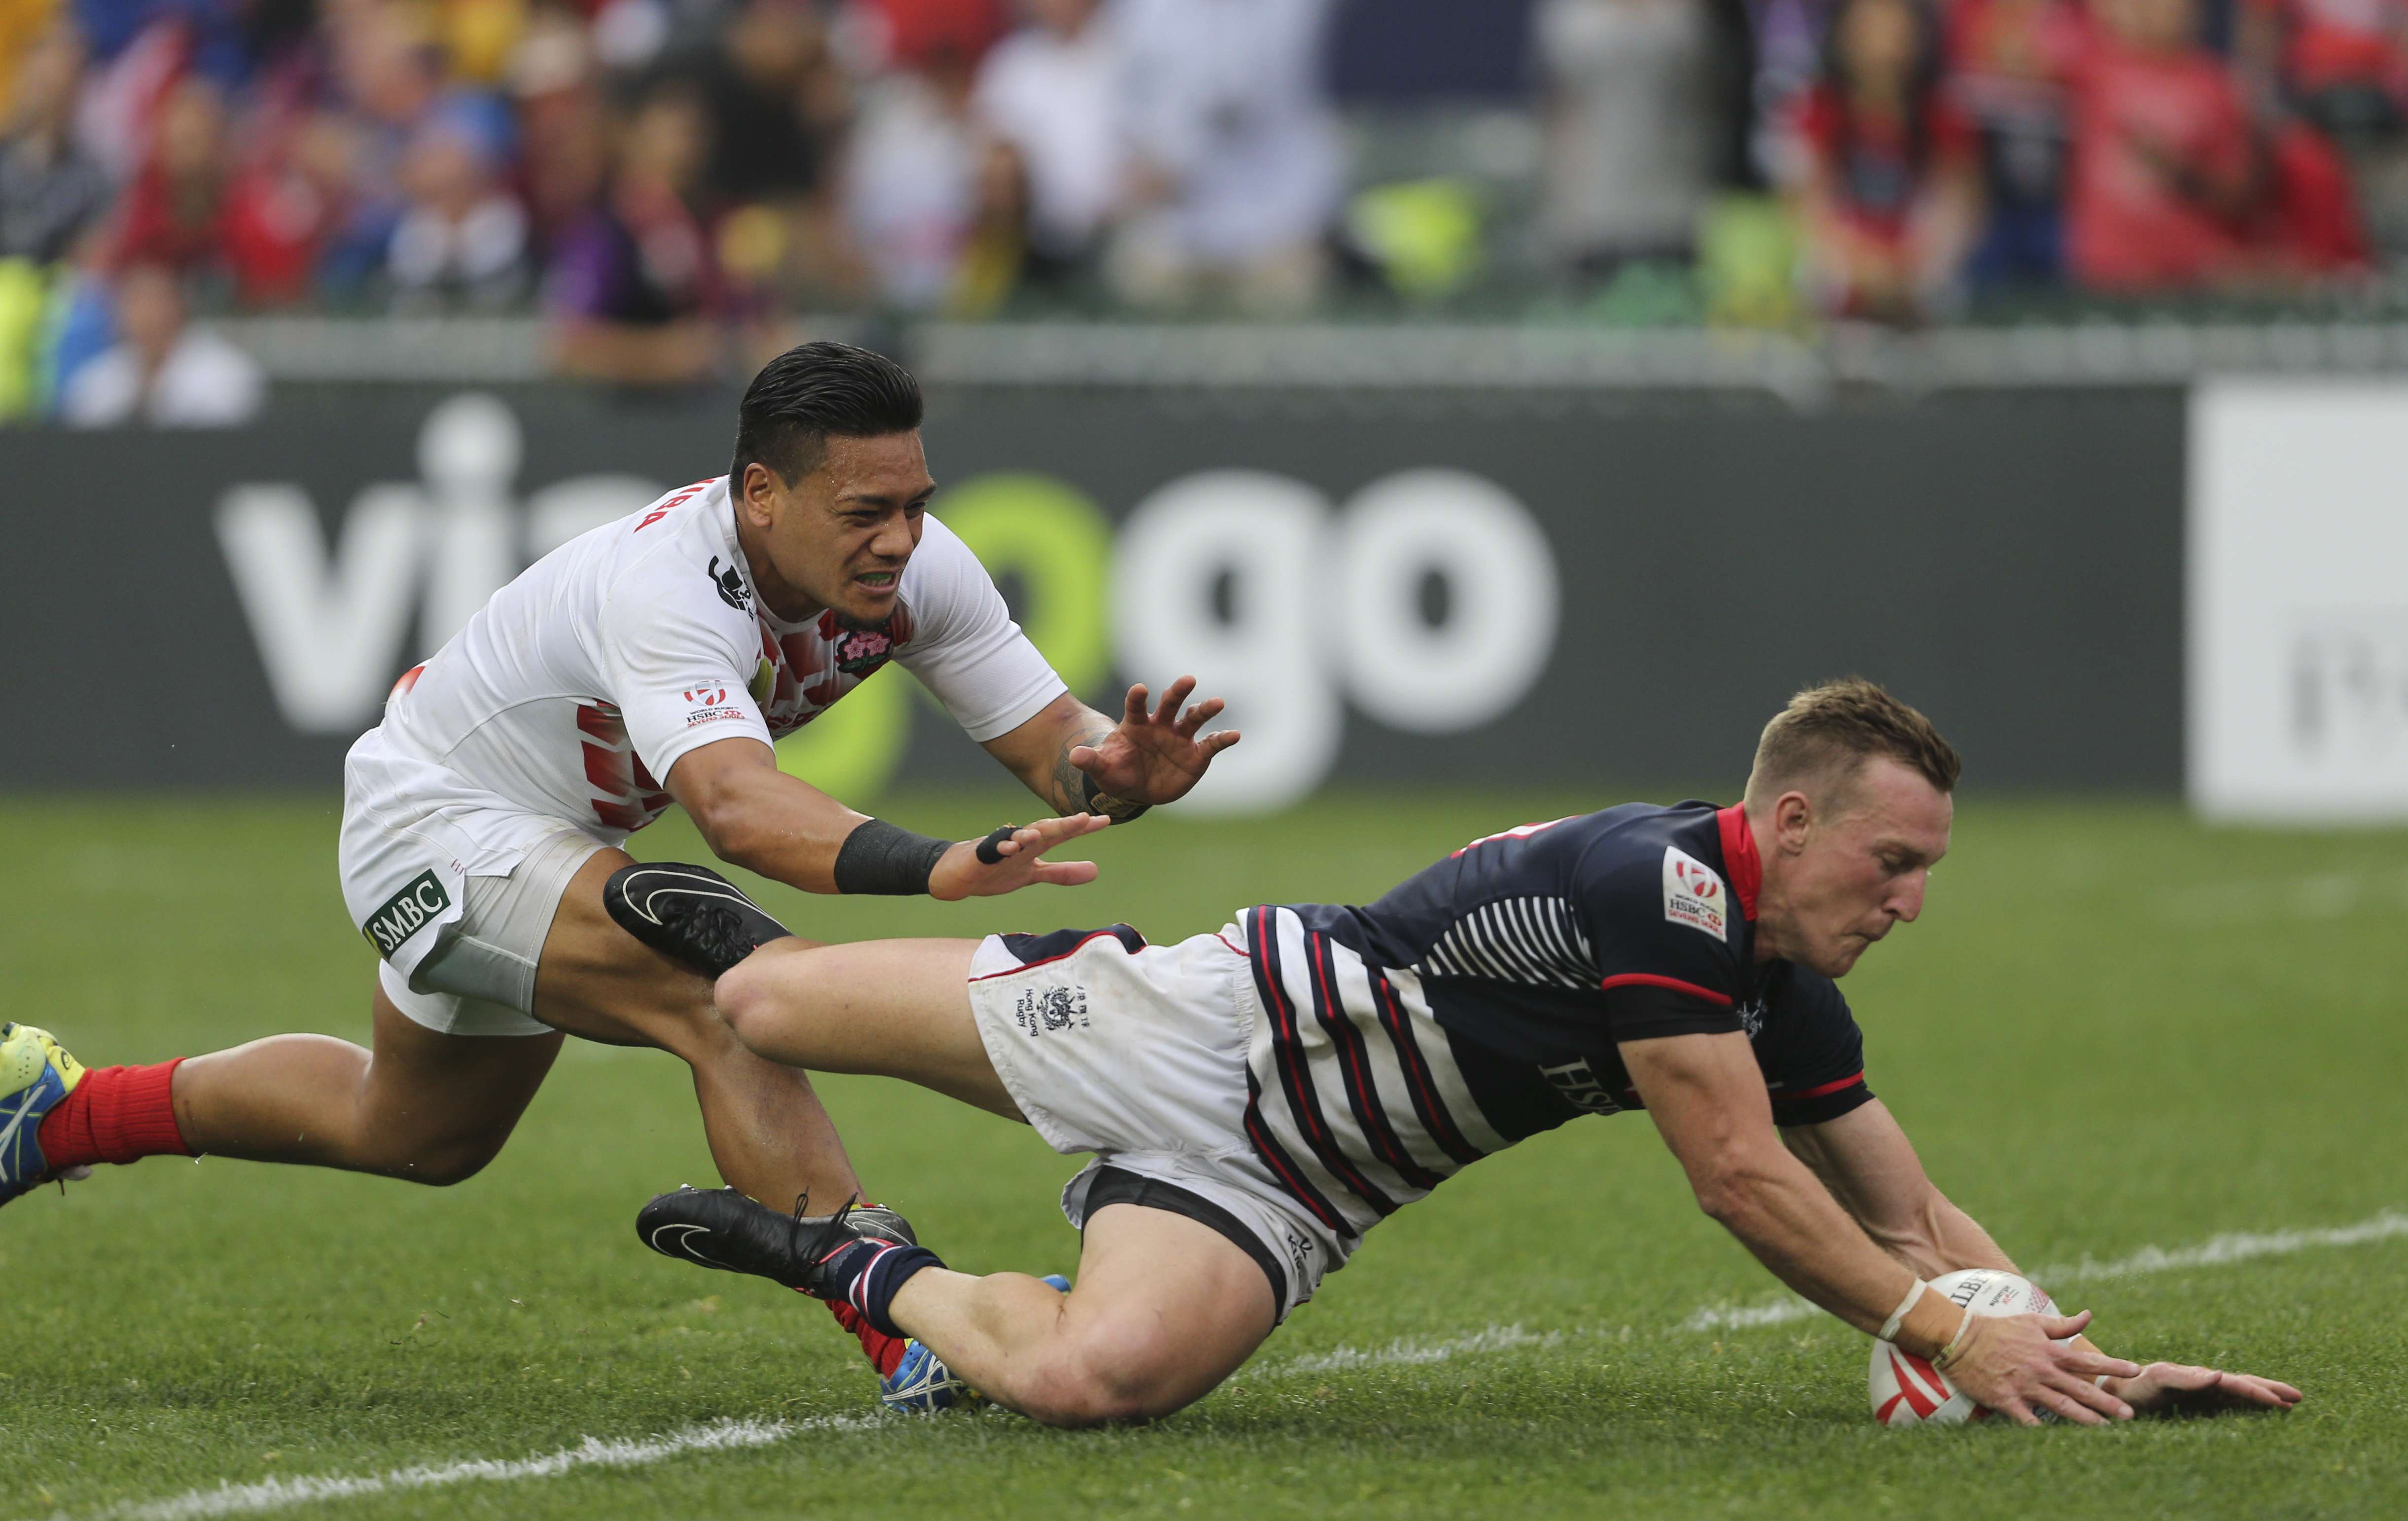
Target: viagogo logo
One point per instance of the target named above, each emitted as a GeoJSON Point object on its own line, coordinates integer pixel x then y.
{"type": "Point", "coordinates": [1426, 600]}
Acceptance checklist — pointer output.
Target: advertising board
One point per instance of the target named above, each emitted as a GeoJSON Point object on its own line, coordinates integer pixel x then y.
{"type": "Point", "coordinates": [2297, 603]}
{"type": "Point", "coordinates": [1534, 592]}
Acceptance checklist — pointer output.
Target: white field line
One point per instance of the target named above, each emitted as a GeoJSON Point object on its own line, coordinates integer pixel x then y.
{"type": "Point", "coordinates": [230, 1500]}
{"type": "Point", "coordinates": [1406, 1351]}
{"type": "Point", "coordinates": [593, 1452]}
{"type": "Point", "coordinates": [2216, 1251]}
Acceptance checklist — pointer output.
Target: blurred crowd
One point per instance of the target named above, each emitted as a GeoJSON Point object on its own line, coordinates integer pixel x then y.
{"type": "Point", "coordinates": [668, 179]}
{"type": "Point", "coordinates": [1931, 150]}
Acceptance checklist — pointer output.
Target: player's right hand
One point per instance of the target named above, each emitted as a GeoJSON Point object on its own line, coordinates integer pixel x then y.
{"type": "Point", "coordinates": [2021, 1365]}
{"type": "Point", "coordinates": [960, 873]}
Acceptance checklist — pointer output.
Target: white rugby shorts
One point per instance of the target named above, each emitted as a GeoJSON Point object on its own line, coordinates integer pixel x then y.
{"type": "Point", "coordinates": [456, 899]}
{"type": "Point", "coordinates": [1138, 1057]}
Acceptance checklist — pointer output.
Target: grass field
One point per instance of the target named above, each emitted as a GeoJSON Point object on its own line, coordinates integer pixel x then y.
{"type": "Point", "coordinates": [2113, 1031]}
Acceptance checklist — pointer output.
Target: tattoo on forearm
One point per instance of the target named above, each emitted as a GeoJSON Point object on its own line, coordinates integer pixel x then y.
{"type": "Point", "coordinates": [1118, 810]}
{"type": "Point", "coordinates": [1075, 791]}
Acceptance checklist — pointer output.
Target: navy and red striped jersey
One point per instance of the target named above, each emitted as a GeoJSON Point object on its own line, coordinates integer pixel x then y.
{"type": "Point", "coordinates": [1485, 999]}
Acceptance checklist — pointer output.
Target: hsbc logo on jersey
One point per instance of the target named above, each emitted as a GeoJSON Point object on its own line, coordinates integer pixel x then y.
{"type": "Point", "coordinates": [1579, 1084]}
{"type": "Point", "coordinates": [709, 704]}
{"type": "Point", "coordinates": [1693, 894]}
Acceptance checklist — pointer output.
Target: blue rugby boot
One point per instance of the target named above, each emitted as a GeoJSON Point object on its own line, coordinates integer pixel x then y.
{"type": "Point", "coordinates": [922, 1385]}
{"type": "Point", "coordinates": [34, 1074]}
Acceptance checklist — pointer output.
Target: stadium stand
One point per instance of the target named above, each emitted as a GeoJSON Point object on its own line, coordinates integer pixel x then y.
{"type": "Point", "coordinates": [664, 191]}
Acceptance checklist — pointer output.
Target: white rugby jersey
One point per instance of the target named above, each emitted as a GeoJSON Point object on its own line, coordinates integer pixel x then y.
{"type": "Point", "coordinates": [572, 693]}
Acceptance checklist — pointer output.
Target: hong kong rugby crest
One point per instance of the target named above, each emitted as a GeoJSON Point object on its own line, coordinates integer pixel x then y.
{"type": "Point", "coordinates": [1040, 1010]}
{"type": "Point", "coordinates": [1693, 894]}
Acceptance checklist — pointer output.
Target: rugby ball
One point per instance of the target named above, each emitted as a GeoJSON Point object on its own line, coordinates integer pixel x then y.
{"type": "Point", "coordinates": [1907, 1391]}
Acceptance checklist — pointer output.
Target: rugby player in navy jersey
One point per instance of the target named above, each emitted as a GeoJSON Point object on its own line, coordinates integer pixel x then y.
{"type": "Point", "coordinates": [1256, 1099]}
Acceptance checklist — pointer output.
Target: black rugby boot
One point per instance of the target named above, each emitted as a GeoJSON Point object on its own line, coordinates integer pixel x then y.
{"type": "Point", "coordinates": [688, 913]}
{"type": "Point", "coordinates": [719, 1227]}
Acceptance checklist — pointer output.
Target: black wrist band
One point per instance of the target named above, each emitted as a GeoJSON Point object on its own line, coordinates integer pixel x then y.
{"type": "Point", "coordinates": [987, 852]}
{"type": "Point", "coordinates": [885, 858]}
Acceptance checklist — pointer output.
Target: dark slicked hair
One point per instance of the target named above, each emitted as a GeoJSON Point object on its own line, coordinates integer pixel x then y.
{"type": "Point", "coordinates": [1827, 733]}
{"type": "Point", "coordinates": [815, 392]}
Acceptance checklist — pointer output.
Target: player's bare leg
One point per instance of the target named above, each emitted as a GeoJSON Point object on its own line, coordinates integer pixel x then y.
{"type": "Point", "coordinates": [1164, 1308]}
{"type": "Point", "coordinates": [420, 1105]}
{"type": "Point", "coordinates": [877, 1008]}
{"type": "Point", "coordinates": [436, 1107]}
{"type": "Point", "coordinates": [768, 1133]}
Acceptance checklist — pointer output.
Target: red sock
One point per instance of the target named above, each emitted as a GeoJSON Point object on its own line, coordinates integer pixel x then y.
{"type": "Point", "coordinates": [115, 1114]}
{"type": "Point", "coordinates": [883, 1351]}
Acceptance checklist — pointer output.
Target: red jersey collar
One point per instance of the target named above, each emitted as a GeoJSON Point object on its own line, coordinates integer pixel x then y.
{"type": "Point", "coordinates": [1739, 859]}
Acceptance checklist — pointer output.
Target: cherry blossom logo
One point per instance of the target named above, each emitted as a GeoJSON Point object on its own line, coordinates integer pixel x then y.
{"type": "Point", "coordinates": [862, 651]}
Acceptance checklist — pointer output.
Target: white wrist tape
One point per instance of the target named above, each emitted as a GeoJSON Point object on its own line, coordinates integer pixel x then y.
{"type": "Point", "coordinates": [1889, 1327]}
{"type": "Point", "coordinates": [1946, 1356]}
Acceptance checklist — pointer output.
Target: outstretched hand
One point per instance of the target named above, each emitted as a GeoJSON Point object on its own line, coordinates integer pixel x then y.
{"type": "Point", "coordinates": [2183, 1388]}
{"type": "Point", "coordinates": [959, 873]}
{"type": "Point", "coordinates": [1158, 757]}
{"type": "Point", "coordinates": [2022, 1365]}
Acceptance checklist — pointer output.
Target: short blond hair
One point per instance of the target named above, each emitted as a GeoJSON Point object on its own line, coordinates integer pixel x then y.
{"type": "Point", "coordinates": [1827, 733]}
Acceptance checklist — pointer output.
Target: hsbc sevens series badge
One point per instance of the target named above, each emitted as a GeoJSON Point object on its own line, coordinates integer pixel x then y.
{"type": "Point", "coordinates": [710, 702]}
{"type": "Point", "coordinates": [1693, 894]}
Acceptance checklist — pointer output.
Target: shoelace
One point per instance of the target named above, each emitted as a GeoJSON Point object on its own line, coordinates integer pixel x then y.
{"type": "Point", "coordinates": [797, 1223]}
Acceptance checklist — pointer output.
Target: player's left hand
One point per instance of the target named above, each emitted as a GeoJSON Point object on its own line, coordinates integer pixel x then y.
{"type": "Point", "coordinates": [2179, 1387]}
{"type": "Point", "coordinates": [1019, 861]}
{"type": "Point", "coordinates": [1155, 757]}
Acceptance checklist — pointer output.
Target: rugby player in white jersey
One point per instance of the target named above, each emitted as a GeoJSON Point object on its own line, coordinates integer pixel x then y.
{"type": "Point", "coordinates": [1255, 1101]}
{"type": "Point", "coordinates": [650, 661]}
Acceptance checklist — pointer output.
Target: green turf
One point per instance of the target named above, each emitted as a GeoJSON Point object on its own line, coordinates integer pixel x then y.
{"type": "Point", "coordinates": [2113, 1029]}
